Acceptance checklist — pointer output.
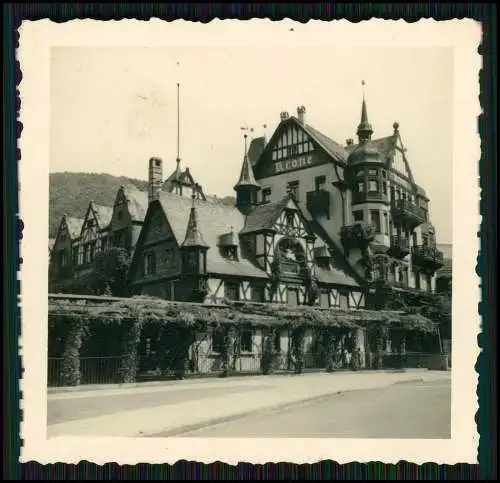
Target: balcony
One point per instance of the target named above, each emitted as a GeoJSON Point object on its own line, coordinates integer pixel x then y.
{"type": "Point", "coordinates": [357, 235]}
{"type": "Point", "coordinates": [408, 213]}
{"type": "Point", "coordinates": [427, 257]}
{"type": "Point", "coordinates": [369, 197]}
{"type": "Point", "coordinates": [400, 246]}
{"type": "Point", "coordinates": [318, 203]}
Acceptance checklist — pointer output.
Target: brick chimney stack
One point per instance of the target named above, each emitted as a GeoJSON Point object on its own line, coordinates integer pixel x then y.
{"type": "Point", "coordinates": [155, 178]}
{"type": "Point", "coordinates": [301, 114]}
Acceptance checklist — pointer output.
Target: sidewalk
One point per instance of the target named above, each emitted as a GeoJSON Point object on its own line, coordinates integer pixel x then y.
{"type": "Point", "coordinates": [236, 398]}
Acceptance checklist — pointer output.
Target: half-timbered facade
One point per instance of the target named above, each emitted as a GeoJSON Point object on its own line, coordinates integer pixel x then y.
{"type": "Point", "coordinates": [62, 259]}
{"type": "Point", "coordinates": [361, 198]}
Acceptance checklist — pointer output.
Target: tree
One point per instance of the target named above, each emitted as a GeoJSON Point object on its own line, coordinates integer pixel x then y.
{"type": "Point", "coordinates": [110, 271]}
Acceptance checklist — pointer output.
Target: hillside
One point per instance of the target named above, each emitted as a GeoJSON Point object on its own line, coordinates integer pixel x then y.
{"type": "Point", "coordinates": [70, 193]}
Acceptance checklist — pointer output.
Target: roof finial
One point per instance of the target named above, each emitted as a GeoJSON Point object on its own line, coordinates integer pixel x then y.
{"type": "Point", "coordinates": [178, 124]}
{"type": "Point", "coordinates": [365, 130]}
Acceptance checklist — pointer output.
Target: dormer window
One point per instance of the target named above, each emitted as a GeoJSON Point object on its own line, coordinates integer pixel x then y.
{"type": "Point", "coordinates": [289, 218]}
{"type": "Point", "coordinates": [232, 253]}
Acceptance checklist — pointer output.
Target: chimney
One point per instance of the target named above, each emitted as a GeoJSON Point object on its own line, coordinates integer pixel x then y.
{"type": "Point", "coordinates": [350, 141]}
{"type": "Point", "coordinates": [155, 178]}
{"type": "Point", "coordinates": [284, 116]}
{"type": "Point", "coordinates": [301, 114]}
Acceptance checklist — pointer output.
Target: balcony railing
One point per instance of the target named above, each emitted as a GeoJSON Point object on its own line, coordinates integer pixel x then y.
{"type": "Point", "coordinates": [408, 213]}
{"type": "Point", "coordinates": [318, 203]}
{"type": "Point", "coordinates": [427, 257]}
{"type": "Point", "coordinates": [400, 246]}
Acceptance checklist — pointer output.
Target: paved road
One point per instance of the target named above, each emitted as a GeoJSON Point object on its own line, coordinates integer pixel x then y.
{"type": "Point", "coordinates": [404, 410]}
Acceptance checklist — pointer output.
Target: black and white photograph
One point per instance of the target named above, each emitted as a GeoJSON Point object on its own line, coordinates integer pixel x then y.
{"type": "Point", "coordinates": [260, 235]}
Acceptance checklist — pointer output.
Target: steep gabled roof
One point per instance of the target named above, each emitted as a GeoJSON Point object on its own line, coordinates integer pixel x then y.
{"type": "Point", "coordinates": [194, 237]}
{"type": "Point", "coordinates": [386, 146]}
{"type": "Point", "coordinates": [264, 216]}
{"type": "Point", "coordinates": [334, 149]}
{"type": "Point", "coordinates": [214, 220]}
{"type": "Point", "coordinates": [256, 148]}
{"type": "Point", "coordinates": [74, 226]}
{"type": "Point", "coordinates": [137, 202]}
{"type": "Point", "coordinates": [103, 214]}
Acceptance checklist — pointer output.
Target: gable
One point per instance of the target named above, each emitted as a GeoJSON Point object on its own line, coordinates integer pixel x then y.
{"type": "Point", "coordinates": [291, 221]}
{"type": "Point", "coordinates": [399, 163]}
{"type": "Point", "coordinates": [290, 148]}
{"type": "Point", "coordinates": [157, 227]}
{"type": "Point", "coordinates": [121, 215]}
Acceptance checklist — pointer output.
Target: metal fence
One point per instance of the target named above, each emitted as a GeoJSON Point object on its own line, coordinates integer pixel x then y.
{"type": "Point", "coordinates": [106, 370]}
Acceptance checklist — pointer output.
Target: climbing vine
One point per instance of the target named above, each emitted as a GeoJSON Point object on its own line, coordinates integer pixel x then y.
{"type": "Point", "coordinates": [130, 354]}
{"type": "Point", "coordinates": [330, 346]}
{"type": "Point", "coordinates": [268, 353]}
{"type": "Point", "coordinates": [70, 371]}
{"type": "Point", "coordinates": [228, 350]}
{"type": "Point", "coordinates": [298, 340]}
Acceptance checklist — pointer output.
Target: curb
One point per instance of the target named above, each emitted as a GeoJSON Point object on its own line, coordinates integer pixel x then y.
{"type": "Point", "coordinates": [209, 379]}
{"type": "Point", "coordinates": [251, 412]}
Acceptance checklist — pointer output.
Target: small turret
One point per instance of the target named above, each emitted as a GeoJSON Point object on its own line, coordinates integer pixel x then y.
{"type": "Point", "coordinates": [247, 187]}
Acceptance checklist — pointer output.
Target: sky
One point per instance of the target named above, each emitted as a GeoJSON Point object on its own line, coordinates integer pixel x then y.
{"type": "Point", "coordinates": [114, 108]}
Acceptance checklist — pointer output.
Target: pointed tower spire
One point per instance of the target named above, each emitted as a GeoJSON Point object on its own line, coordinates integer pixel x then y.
{"type": "Point", "coordinates": [247, 177]}
{"type": "Point", "coordinates": [193, 238]}
{"type": "Point", "coordinates": [365, 130]}
{"type": "Point", "coordinates": [247, 187]}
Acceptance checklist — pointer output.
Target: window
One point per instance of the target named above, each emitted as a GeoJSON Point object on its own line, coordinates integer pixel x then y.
{"type": "Point", "coordinates": [358, 216]}
{"type": "Point", "coordinates": [231, 291]}
{"type": "Point", "coordinates": [373, 185]}
{"type": "Point", "coordinates": [80, 254]}
{"type": "Point", "coordinates": [217, 341]}
{"type": "Point", "coordinates": [277, 340]}
{"type": "Point", "coordinates": [149, 263]}
{"type": "Point", "coordinates": [344, 301]}
{"type": "Point", "coordinates": [63, 258]}
{"type": "Point", "coordinates": [386, 224]}
{"type": "Point", "coordinates": [425, 240]}
{"type": "Point", "coordinates": [429, 283]}
{"type": "Point", "coordinates": [169, 256]}
{"type": "Point", "coordinates": [266, 195]}
{"type": "Point", "coordinates": [257, 294]}
{"type": "Point", "coordinates": [232, 253]}
{"type": "Point", "coordinates": [293, 189]}
{"type": "Point", "coordinates": [415, 239]}
{"type": "Point", "coordinates": [324, 300]}
{"type": "Point", "coordinates": [376, 221]}
{"type": "Point", "coordinates": [246, 341]}
{"type": "Point", "coordinates": [361, 187]}
{"type": "Point", "coordinates": [372, 172]}
{"type": "Point", "coordinates": [92, 251]}
{"type": "Point", "coordinates": [360, 173]}
{"type": "Point", "coordinates": [384, 187]}
{"type": "Point", "coordinates": [319, 183]}
{"type": "Point", "coordinates": [417, 280]}
{"type": "Point", "coordinates": [103, 244]}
